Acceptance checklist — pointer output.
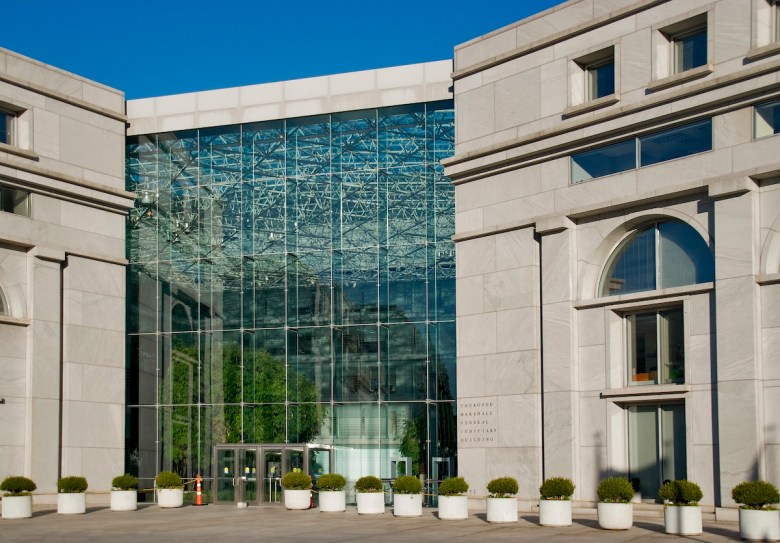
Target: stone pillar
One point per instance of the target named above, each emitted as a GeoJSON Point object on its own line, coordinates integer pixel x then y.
{"type": "Point", "coordinates": [738, 358]}
{"type": "Point", "coordinates": [42, 443]}
{"type": "Point", "coordinates": [559, 347]}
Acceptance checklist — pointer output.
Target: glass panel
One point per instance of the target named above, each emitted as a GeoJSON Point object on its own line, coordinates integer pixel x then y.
{"type": "Point", "coordinates": [248, 469]}
{"type": "Point", "coordinates": [356, 371]}
{"type": "Point", "coordinates": [684, 256]}
{"type": "Point", "coordinates": [601, 80]}
{"type": "Point", "coordinates": [606, 160]}
{"type": "Point", "coordinates": [272, 476]}
{"type": "Point", "coordinates": [677, 142]}
{"type": "Point", "coordinates": [643, 348]}
{"type": "Point", "coordinates": [305, 422]}
{"type": "Point", "coordinates": [179, 369]}
{"type": "Point", "coordinates": [643, 461]}
{"type": "Point", "coordinates": [690, 50]}
{"type": "Point", "coordinates": [6, 128]}
{"type": "Point", "coordinates": [222, 368]}
{"type": "Point", "coordinates": [3, 304]}
{"type": "Point", "coordinates": [767, 117]}
{"type": "Point", "coordinates": [226, 475]}
{"type": "Point", "coordinates": [673, 450]}
{"type": "Point", "coordinates": [265, 423]}
{"type": "Point", "coordinates": [633, 265]}
{"type": "Point", "coordinates": [672, 342]}
{"type": "Point", "coordinates": [264, 367]}
{"type": "Point", "coordinates": [309, 365]}
{"type": "Point", "coordinates": [404, 362]}
{"type": "Point", "coordinates": [142, 357]}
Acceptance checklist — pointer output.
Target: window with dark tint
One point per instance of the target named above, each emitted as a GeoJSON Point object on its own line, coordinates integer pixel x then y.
{"type": "Point", "coordinates": [690, 49]}
{"type": "Point", "coordinates": [6, 127]}
{"type": "Point", "coordinates": [15, 201]}
{"type": "Point", "coordinates": [677, 142]}
{"type": "Point", "coordinates": [767, 119]}
{"type": "Point", "coordinates": [656, 347]}
{"type": "Point", "coordinates": [606, 160]}
{"type": "Point", "coordinates": [601, 79]}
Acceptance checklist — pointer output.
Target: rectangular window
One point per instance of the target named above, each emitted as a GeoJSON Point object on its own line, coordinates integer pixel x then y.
{"type": "Point", "coordinates": [677, 142]}
{"type": "Point", "coordinates": [656, 347]}
{"type": "Point", "coordinates": [7, 127]}
{"type": "Point", "coordinates": [656, 445]}
{"type": "Point", "coordinates": [15, 201]}
{"type": "Point", "coordinates": [690, 49]}
{"type": "Point", "coordinates": [601, 79]}
{"type": "Point", "coordinates": [776, 20]}
{"type": "Point", "coordinates": [766, 120]}
{"type": "Point", "coordinates": [607, 160]}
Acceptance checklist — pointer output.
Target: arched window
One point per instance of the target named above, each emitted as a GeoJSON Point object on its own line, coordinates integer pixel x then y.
{"type": "Point", "coordinates": [3, 304]}
{"type": "Point", "coordinates": [662, 255]}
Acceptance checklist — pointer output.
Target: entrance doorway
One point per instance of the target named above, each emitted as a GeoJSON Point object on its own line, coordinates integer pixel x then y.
{"type": "Point", "coordinates": [252, 473]}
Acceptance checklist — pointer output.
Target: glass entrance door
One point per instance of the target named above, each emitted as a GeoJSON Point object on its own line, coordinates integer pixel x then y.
{"type": "Point", "coordinates": [656, 448]}
{"type": "Point", "coordinates": [272, 476]}
{"type": "Point", "coordinates": [225, 475]}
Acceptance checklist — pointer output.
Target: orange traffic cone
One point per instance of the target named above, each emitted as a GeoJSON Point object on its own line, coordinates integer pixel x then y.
{"type": "Point", "coordinates": [198, 495]}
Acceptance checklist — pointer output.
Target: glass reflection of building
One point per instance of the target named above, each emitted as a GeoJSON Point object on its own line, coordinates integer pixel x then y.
{"type": "Point", "coordinates": [293, 281]}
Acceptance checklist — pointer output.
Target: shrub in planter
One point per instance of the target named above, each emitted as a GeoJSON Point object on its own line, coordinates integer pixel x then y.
{"type": "Point", "coordinates": [370, 495]}
{"type": "Point", "coordinates": [17, 499]}
{"type": "Point", "coordinates": [170, 489]}
{"type": "Point", "coordinates": [71, 498]}
{"type": "Point", "coordinates": [297, 489]}
{"type": "Point", "coordinates": [407, 496]}
{"type": "Point", "coordinates": [453, 503]}
{"type": "Point", "coordinates": [502, 503]}
{"type": "Point", "coordinates": [757, 518]}
{"type": "Point", "coordinates": [615, 512]}
{"type": "Point", "coordinates": [681, 516]}
{"type": "Point", "coordinates": [124, 493]}
{"type": "Point", "coordinates": [332, 495]}
{"type": "Point", "coordinates": [555, 503]}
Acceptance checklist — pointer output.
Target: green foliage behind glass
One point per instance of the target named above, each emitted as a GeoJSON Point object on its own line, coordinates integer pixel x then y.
{"type": "Point", "coordinates": [681, 492]}
{"type": "Point", "coordinates": [556, 488]}
{"type": "Point", "coordinates": [755, 494]}
{"type": "Point", "coordinates": [407, 484]}
{"type": "Point", "coordinates": [615, 490]}
{"type": "Point", "coordinates": [369, 483]}
{"type": "Point", "coordinates": [453, 486]}
{"type": "Point", "coordinates": [17, 486]}
{"type": "Point", "coordinates": [503, 487]}
{"type": "Point", "coordinates": [72, 485]}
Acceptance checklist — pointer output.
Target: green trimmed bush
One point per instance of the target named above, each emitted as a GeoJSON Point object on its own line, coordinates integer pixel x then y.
{"type": "Point", "coordinates": [72, 485]}
{"type": "Point", "coordinates": [556, 488]}
{"type": "Point", "coordinates": [369, 483]}
{"type": "Point", "coordinates": [681, 493]}
{"type": "Point", "coordinates": [453, 486]}
{"type": "Point", "coordinates": [615, 490]}
{"type": "Point", "coordinates": [296, 480]}
{"type": "Point", "coordinates": [17, 486]}
{"type": "Point", "coordinates": [168, 479]}
{"type": "Point", "coordinates": [331, 481]}
{"type": "Point", "coordinates": [124, 482]}
{"type": "Point", "coordinates": [407, 484]}
{"type": "Point", "coordinates": [755, 495]}
{"type": "Point", "coordinates": [503, 487]}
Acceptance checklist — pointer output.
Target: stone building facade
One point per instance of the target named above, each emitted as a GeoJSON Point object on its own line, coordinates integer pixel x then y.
{"type": "Point", "coordinates": [62, 276]}
{"type": "Point", "coordinates": [617, 215]}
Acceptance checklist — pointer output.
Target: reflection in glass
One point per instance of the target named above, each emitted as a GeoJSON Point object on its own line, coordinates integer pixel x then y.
{"type": "Point", "coordinates": [656, 445]}
{"type": "Point", "coordinates": [676, 142]}
{"type": "Point", "coordinates": [656, 347]}
{"type": "Point", "coordinates": [606, 160]}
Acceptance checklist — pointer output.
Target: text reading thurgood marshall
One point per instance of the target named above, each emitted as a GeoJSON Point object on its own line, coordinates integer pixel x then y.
{"type": "Point", "coordinates": [477, 422]}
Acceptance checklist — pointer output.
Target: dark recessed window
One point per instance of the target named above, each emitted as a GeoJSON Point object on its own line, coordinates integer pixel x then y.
{"type": "Point", "coordinates": [677, 142]}
{"type": "Point", "coordinates": [689, 49]}
{"type": "Point", "coordinates": [766, 120]}
{"type": "Point", "coordinates": [601, 79]}
{"type": "Point", "coordinates": [602, 161]}
{"type": "Point", "coordinates": [7, 127]}
{"type": "Point", "coordinates": [656, 347]}
{"type": "Point", "coordinates": [15, 201]}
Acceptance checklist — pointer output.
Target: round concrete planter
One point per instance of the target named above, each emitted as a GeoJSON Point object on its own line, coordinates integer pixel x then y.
{"type": "Point", "coordinates": [297, 499]}
{"type": "Point", "coordinates": [453, 507]}
{"type": "Point", "coordinates": [170, 497]}
{"type": "Point", "coordinates": [682, 520]}
{"type": "Point", "coordinates": [555, 512]}
{"type": "Point", "coordinates": [615, 516]}
{"type": "Point", "coordinates": [502, 509]}
{"type": "Point", "coordinates": [17, 507]}
{"type": "Point", "coordinates": [407, 505]}
{"type": "Point", "coordinates": [759, 525]}
{"type": "Point", "coordinates": [124, 500]}
{"type": "Point", "coordinates": [370, 503]}
{"type": "Point", "coordinates": [333, 501]}
{"type": "Point", "coordinates": [71, 503]}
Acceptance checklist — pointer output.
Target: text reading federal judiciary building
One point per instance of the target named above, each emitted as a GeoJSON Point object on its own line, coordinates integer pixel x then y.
{"type": "Point", "coordinates": [558, 254]}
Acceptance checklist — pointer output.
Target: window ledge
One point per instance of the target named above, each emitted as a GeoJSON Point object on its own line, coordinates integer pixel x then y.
{"type": "Point", "coordinates": [18, 151]}
{"type": "Point", "coordinates": [768, 279]}
{"type": "Point", "coordinates": [14, 321]}
{"type": "Point", "coordinates": [643, 391]}
{"type": "Point", "coordinates": [591, 105]}
{"type": "Point", "coordinates": [763, 52]}
{"type": "Point", "coordinates": [642, 296]}
{"type": "Point", "coordinates": [679, 79]}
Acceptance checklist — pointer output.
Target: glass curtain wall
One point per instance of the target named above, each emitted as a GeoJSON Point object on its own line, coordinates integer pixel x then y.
{"type": "Point", "coordinates": [293, 281]}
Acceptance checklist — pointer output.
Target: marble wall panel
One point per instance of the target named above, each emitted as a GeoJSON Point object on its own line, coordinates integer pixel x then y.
{"type": "Point", "coordinates": [590, 326]}
{"type": "Point", "coordinates": [510, 373]}
{"type": "Point", "coordinates": [731, 27]}
{"type": "Point", "coordinates": [592, 365]}
{"type": "Point", "coordinates": [79, 141]}
{"type": "Point", "coordinates": [770, 340]}
{"type": "Point", "coordinates": [699, 423]}
{"type": "Point", "coordinates": [736, 329]}
{"type": "Point", "coordinates": [732, 128]}
{"type": "Point", "coordinates": [555, 174]}
{"type": "Point", "coordinates": [701, 470]}
{"type": "Point", "coordinates": [518, 420]}
{"type": "Point", "coordinates": [476, 117]}
{"type": "Point", "coordinates": [471, 376]}
{"type": "Point", "coordinates": [516, 249]}
{"type": "Point", "coordinates": [554, 98]}
{"type": "Point", "coordinates": [472, 466]}
{"type": "Point", "coordinates": [477, 334]}
{"type": "Point", "coordinates": [522, 463]}
{"type": "Point", "coordinates": [560, 434]}
{"type": "Point", "coordinates": [635, 64]}
{"type": "Point", "coordinates": [594, 468]}
{"type": "Point", "coordinates": [511, 289]}
{"type": "Point", "coordinates": [519, 210]}
{"type": "Point", "coordinates": [517, 329]}
{"type": "Point", "coordinates": [517, 99]}
{"type": "Point", "coordinates": [471, 301]}
{"type": "Point", "coordinates": [770, 305]}
{"type": "Point", "coordinates": [699, 359]}
{"type": "Point", "coordinates": [476, 256]}
{"type": "Point", "coordinates": [593, 421]}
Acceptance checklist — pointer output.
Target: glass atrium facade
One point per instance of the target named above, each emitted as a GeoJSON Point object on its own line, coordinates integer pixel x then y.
{"type": "Point", "coordinates": [293, 281]}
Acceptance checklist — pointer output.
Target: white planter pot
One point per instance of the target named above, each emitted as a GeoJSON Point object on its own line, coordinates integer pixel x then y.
{"type": "Point", "coordinates": [502, 509]}
{"type": "Point", "coordinates": [17, 507]}
{"type": "Point", "coordinates": [124, 500]}
{"type": "Point", "coordinates": [555, 512]}
{"type": "Point", "coordinates": [615, 516]}
{"type": "Point", "coordinates": [297, 499]}
{"type": "Point", "coordinates": [370, 503]}
{"type": "Point", "coordinates": [407, 505]}
{"type": "Point", "coordinates": [682, 520]}
{"type": "Point", "coordinates": [170, 497]}
{"type": "Point", "coordinates": [71, 503]}
{"type": "Point", "coordinates": [453, 507]}
{"type": "Point", "coordinates": [759, 525]}
{"type": "Point", "coordinates": [333, 501]}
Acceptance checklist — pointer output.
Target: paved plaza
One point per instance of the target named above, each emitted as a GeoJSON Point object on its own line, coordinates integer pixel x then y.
{"type": "Point", "coordinates": [218, 524]}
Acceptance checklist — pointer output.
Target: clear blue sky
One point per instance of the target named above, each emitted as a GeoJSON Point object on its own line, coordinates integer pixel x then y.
{"type": "Point", "coordinates": [156, 47]}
